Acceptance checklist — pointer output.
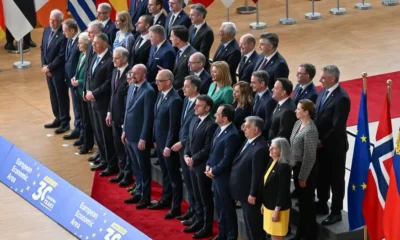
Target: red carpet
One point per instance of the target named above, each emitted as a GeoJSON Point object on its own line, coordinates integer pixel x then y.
{"type": "Point", "coordinates": [376, 86]}
{"type": "Point", "coordinates": [150, 222]}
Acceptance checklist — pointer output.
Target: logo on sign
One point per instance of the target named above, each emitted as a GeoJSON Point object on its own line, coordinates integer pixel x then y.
{"type": "Point", "coordinates": [42, 194]}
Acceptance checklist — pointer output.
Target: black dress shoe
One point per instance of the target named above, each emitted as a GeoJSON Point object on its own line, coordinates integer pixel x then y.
{"type": "Point", "coordinates": [332, 219]}
{"type": "Point", "coordinates": [83, 151]}
{"type": "Point", "coordinates": [322, 208]}
{"type": "Point", "coordinates": [93, 158]}
{"type": "Point", "coordinates": [197, 226]}
{"type": "Point", "coordinates": [54, 124]}
{"type": "Point", "coordinates": [172, 214]}
{"type": "Point", "coordinates": [185, 216]}
{"type": "Point", "coordinates": [143, 203]}
{"type": "Point", "coordinates": [116, 179]}
{"type": "Point", "coordinates": [73, 135]}
{"type": "Point", "coordinates": [130, 189]}
{"type": "Point", "coordinates": [101, 166]}
{"type": "Point", "coordinates": [10, 46]}
{"type": "Point", "coordinates": [202, 234]}
{"type": "Point", "coordinates": [78, 143]}
{"type": "Point", "coordinates": [125, 182]}
{"type": "Point", "coordinates": [134, 199]}
{"type": "Point", "coordinates": [160, 205]}
{"type": "Point", "coordinates": [188, 222]}
{"type": "Point", "coordinates": [108, 172]}
{"type": "Point", "coordinates": [62, 129]}
{"type": "Point", "coordinates": [30, 43]}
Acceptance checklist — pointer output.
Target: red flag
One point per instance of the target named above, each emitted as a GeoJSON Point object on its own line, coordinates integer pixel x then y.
{"type": "Point", "coordinates": [2, 23]}
{"type": "Point", "coordinates": [391, 221]}
{"type": "Point", "coordinates": [206, 3]}
{"type": "Point", "coordinates": [44, 8]}
{"type": "Point", "coordinates": [378, 176]}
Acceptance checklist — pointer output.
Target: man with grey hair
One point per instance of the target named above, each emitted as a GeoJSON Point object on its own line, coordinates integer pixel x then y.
{"type": "Point", "coordinates": [270, 60]}
{"type": "Point", "coordinates": [196, 64]}
{"type": "Point", "coordinates": [247, 44]}
{"type": "Point", "coordinates": [201, 36]}
{"type": "Point", "coordinates": [332, 111]}
{"type": "Point", "coordinates": [103, 15]}
{"type": "Point", "coordinates": [228, 50]}
{"type": "Point", "coordinates": [247, 172]}
{"type": "Point", "coordinates": [116, 113]}
{"type": "Point", "coordinates": [176, 16]}
{"type": "Point", "coordinates": [53, 64]}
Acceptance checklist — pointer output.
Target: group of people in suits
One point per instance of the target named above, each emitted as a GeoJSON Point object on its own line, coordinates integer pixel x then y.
{"type": "Point", "coordinates": [231, 130]}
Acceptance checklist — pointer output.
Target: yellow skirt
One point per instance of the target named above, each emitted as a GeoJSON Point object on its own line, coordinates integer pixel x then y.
{"type": "Point", "coordinates": [279, 228]}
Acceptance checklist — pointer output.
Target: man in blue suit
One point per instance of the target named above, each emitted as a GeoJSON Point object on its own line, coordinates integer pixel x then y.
{"type": "Point", "coordinates": [103, 15]}
{"type": "Point", "coordinates": [137, 133]}
{"type": "Point", "coordinates": [226, 143]}
{"type": "Point", "coordinates": [196, 64]}
{"type": "Point", "coordinates": [70, 30]}
{"type": "Point", "coordinates": [137, 9]}
{"type": "Point", "coordinates": [176, 16]}
{"type": "Point", "coordinates": [167, 113]}
{"type": "Point", "coordinates": [247, 44]}
{"type": "Point", "coordinates": [305, 89]}
{"type": "Point", "coordinates": [53, 60]}
{"type": "Point", "coordinates": [162, 54]}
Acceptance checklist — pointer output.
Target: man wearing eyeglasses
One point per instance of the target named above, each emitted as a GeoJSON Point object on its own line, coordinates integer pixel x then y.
{"type": "Point", "coordinates": [103, 15]}
{"type": "Point", "coordinates": [305, 88]}
{"type": "Point", "coordinates": [196, 64]}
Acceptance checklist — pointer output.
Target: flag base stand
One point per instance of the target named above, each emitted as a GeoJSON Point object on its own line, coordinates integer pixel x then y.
{"type": "Point", "coordinates": [17, 51]}
{"type": "Point", "coordinates": [246, 10]}
{"type": "Point", "coordinates": [258, 25]}
{"type": "Point", "coordinates": [22, 65]}
{"type": "Point", "coordinates": [338, 11]}
{"type": "Point", "coordinates": [389, 3]}
{"type": "Point", "coordinates": [287, 21]}
{"type": "Point", "coordinates": [363, 6]}
{"type": "Point", "coordinates": [313, 16]}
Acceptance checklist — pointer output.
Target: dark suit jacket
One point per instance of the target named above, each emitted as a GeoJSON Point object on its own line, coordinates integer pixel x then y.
{"type": "Point", "coordinates": [275, 192]}
{"type": "Point", "coordinates": [185, 121]}
{"type": "Point", "coordinates": [206, 81]}
{"type": "Point", "coordinates": [166, 119]}
{"type": "Point", "coordinates": [202, 41]}
{"type": "Point", "coordinates": [164, 57]}
{"type": "Point", "coordinates": [53, 53]}
{"type": "Point", "coordinates": [181, 19]}
{"type": "Point", "coordinates": [264, 110]}
{"type": "Point", "coordinates": [240, 115]}
{"type": "Point", "coordinates": [139, 113]}
{"type": "Point", "coordinates": [181, 68]}
{"type": "Point", "coordinates": [276, 68]}
{"type": "Point", "coordinates": [231, 55]}
{"type": "Point", "coordinates": [161, 20]}
{"type": "Point", "coordinates": [247, 169]}
{"type": "Point", "coordinates": [331, 119]}
{"type": "Point", "coordinates": [111, 31]}
{"type": "Point", "coordinates": [282, 121]}
{"type": "Point", "coordinates": [71, 60]}
{"type": "Point", "coordinates": [141, 55]}
{"type": "Point", "coordinates": [199, 141]}
{"type": "Point", "coordinates": [223, 151]}
{"type": "Point", "coordinates": [118, 97]}
{"type": "Point", "coordinates": [246, 70]}
{"type": "Point", "coordinates": [310, 93]}
{"type": "Point", "coordinates": [137, 11]}
{"type": "Point", "coordinates": [99, 81]}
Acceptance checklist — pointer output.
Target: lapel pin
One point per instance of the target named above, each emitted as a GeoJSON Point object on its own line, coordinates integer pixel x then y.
{"type": "Point", "coordinates": [305, 93]}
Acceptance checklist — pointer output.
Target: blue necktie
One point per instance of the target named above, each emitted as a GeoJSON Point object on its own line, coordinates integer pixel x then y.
{"type": "Point", "coordinates": [95, 64]}
{"type": "Point", "coordinates": [193, 35]}
{"type": "Point", "coordinates": [323, 100]}
{"type": "Point", "coordinates": [189, 103]}
{"type": "Point", "coordinates": [245, 146]}
{"type": "Point", "coordinates": [177, 57]}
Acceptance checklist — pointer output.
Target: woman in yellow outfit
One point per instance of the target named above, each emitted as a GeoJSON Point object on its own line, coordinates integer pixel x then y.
{"type": "Point", "coordinates": [275, 190]}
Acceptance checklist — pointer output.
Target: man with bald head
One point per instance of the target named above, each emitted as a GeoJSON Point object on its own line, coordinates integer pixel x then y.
{"type": "Point", "coordinates": [247, 44]}
{"type": "Point", "coordinates": [137, 132]}
{"type": "Point", "coordinates": [197, 63]}
{"type": "Point", "coordinates": [53, 63]}
{"type": "Point", "coordinates": [167, 113]}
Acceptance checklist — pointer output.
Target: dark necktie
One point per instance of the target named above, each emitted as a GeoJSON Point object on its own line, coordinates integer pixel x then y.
{"type": "Point", "coordinates": [197, 124]}
{"type": "Point", "coordinates": [276, 108]}
{"type": "Point", "coordinates": [177, 57]}
{"type": "Point", "coordinates": [117, 79]}
{"type": "Point", "coordinates": [138, 43]}
{"type": "Point", "coordinates": [242, 63]}
{"type": "Point", "coordinates": [193, 35]}
{"type": "Point", "coordinates": [69, 46]}
{"type": "Point", "coordinates": [188, 105]}
{"type": "Point", "coordinates": [323, 100]}
{"type": "Point", "coordinates": [50, 37]}
{"type": "Point", "coordinates": [161, 100]}
{"type": "Point", "coordinates": [299, 92]}
{"type": "Point", "coordinates": [256, 100]}
{"type": "Point", "coordinates": [263, 64]}
{"type": "Point", "coordinates": [220, 51]}
{"type": "Point", "coordinates": [134, 92]}
{"type": "Point", "coordinates": [172, 21]}
{"type": "Point", "coordinates": [216, 134]}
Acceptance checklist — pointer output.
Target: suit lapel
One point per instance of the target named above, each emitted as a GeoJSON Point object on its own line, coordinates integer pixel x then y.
{"type": "Point", "coordinates": [328, 99]}
{"type": "Point", "coordinates": [182, 57]}
{"type": "Point", "coordinates": [271, 174]}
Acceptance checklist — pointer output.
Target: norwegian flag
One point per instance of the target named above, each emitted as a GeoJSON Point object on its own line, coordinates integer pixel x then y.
{"type": "Point", "coordinates": [378, 176]}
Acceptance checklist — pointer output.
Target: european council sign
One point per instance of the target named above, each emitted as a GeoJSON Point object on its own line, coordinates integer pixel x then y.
{"type": "Point", "coordinates": [68, 206]}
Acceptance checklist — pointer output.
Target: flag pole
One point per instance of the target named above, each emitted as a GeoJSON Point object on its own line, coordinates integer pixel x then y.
{"type": "Point", "coordinates": [21, 64]}
{"type": "Point", "coordinates": [364, 76]}
{"type": "Point", "coordinates": [389, 88]}
{"type": "Point", "coordinates": [365, 232]}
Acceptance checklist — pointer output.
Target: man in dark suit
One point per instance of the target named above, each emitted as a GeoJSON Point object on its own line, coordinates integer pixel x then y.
{"type": "Point", "coordinates": [190, 88]}
{"type": "Point", "coordinates": [283, 117]}
{"type": "Point", "coordinates": [155, 8]}
{"type": "Point", "coordinates": [249, 57]}
{"type": "Point", "coordinates": [305, 89]}
{"type": "Point", "coordinates": [103, 15]}
{"type": "Point", "coordinates": [137, 8]}
{"type": "Point", "coordinates": [161, 53]}
{"type": "Point", "coordinates": [226, 143]}
{"type": "Point", "coordinates": [201, 36]}
{"type": "Point", "coordinates": [70, 30]}
{"type": "Point", "coordinates": [270, 60]}
{"type": "Point", "coordinates": [53, 60]}
{"type": "Point", "coordinates": [197, 150]}
{"type": "Point", "coordinates": [196, 65]}
{"type": "Point", "coordinates": [141, 48]}
{"type": "Point", "coordinates": [137, 133]}
{"type": "Point", "coordinates": [98, 92]}
{"type": "Point", "coordinates": [263, 104]}
{"type": "Point", "coordinates": [176, 16]}
{"type": "Point", "coordinates": [179, 39]}
{"type": "Point", "coordinates": [167, 113]}
{"type": "Point", "coordinates": [332, 108]}
{"type": "Point", "coordinates": [116, 113]}
{"type": "Point", "coordinates": [228, 50]}
{"type": "Point", "coordinates": [247, 172]}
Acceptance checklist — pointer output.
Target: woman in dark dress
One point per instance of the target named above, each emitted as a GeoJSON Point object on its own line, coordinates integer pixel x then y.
{"type": "Point", "coordinates": [243, 100]}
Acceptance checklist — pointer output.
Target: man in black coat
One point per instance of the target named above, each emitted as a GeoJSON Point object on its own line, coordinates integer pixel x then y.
{"type": "Point", "coordinates": [201, 36]}
{"type": "Point", "coordinates": [138, 8]}
{"type": "Point", "coordinates": [305, 89]}
{"type": "Point", "coordinates": [103, 15]}
{"type": "Point", "coordinates": [141, 48]}
{"type": "Point", "coordinates": [176, 16]}
{"type": "Point", "coordinates": [247, 172]}
{"type": "Point", "coordinates": [196, 65]}
{"type": "Point", "coordinates": [247, 44]}
{"type": "Point", "coordinates": [332, 108]}
{"type": "Point", "coordinates": [155, 8]}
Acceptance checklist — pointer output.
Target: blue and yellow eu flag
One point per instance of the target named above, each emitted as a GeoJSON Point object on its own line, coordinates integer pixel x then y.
{"type": "Point", "coordinates": [359, 168]}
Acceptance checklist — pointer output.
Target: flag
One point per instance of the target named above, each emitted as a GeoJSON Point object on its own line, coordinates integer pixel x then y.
{"type": "Point", "coordinates": [20, 17]}
{"type": "Point", "coordinates": [206, 3]}
{"type": "Point", "coordinates": [44, 7]}
{"type": "Point", "coordinates": [378, 177]}
{"type": "Point", "coordinates": [227, 3]}
{"type": "Point", "coordinates": [2, 23]}
{"type": "Point", "coordinates": [359, 167]}
{"type": "Point", "coordinates": [391, 221]}
{"type": "Point", "coordinates": [83, 11]}
{"type": "Point", "coordinates": [117, 6]}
